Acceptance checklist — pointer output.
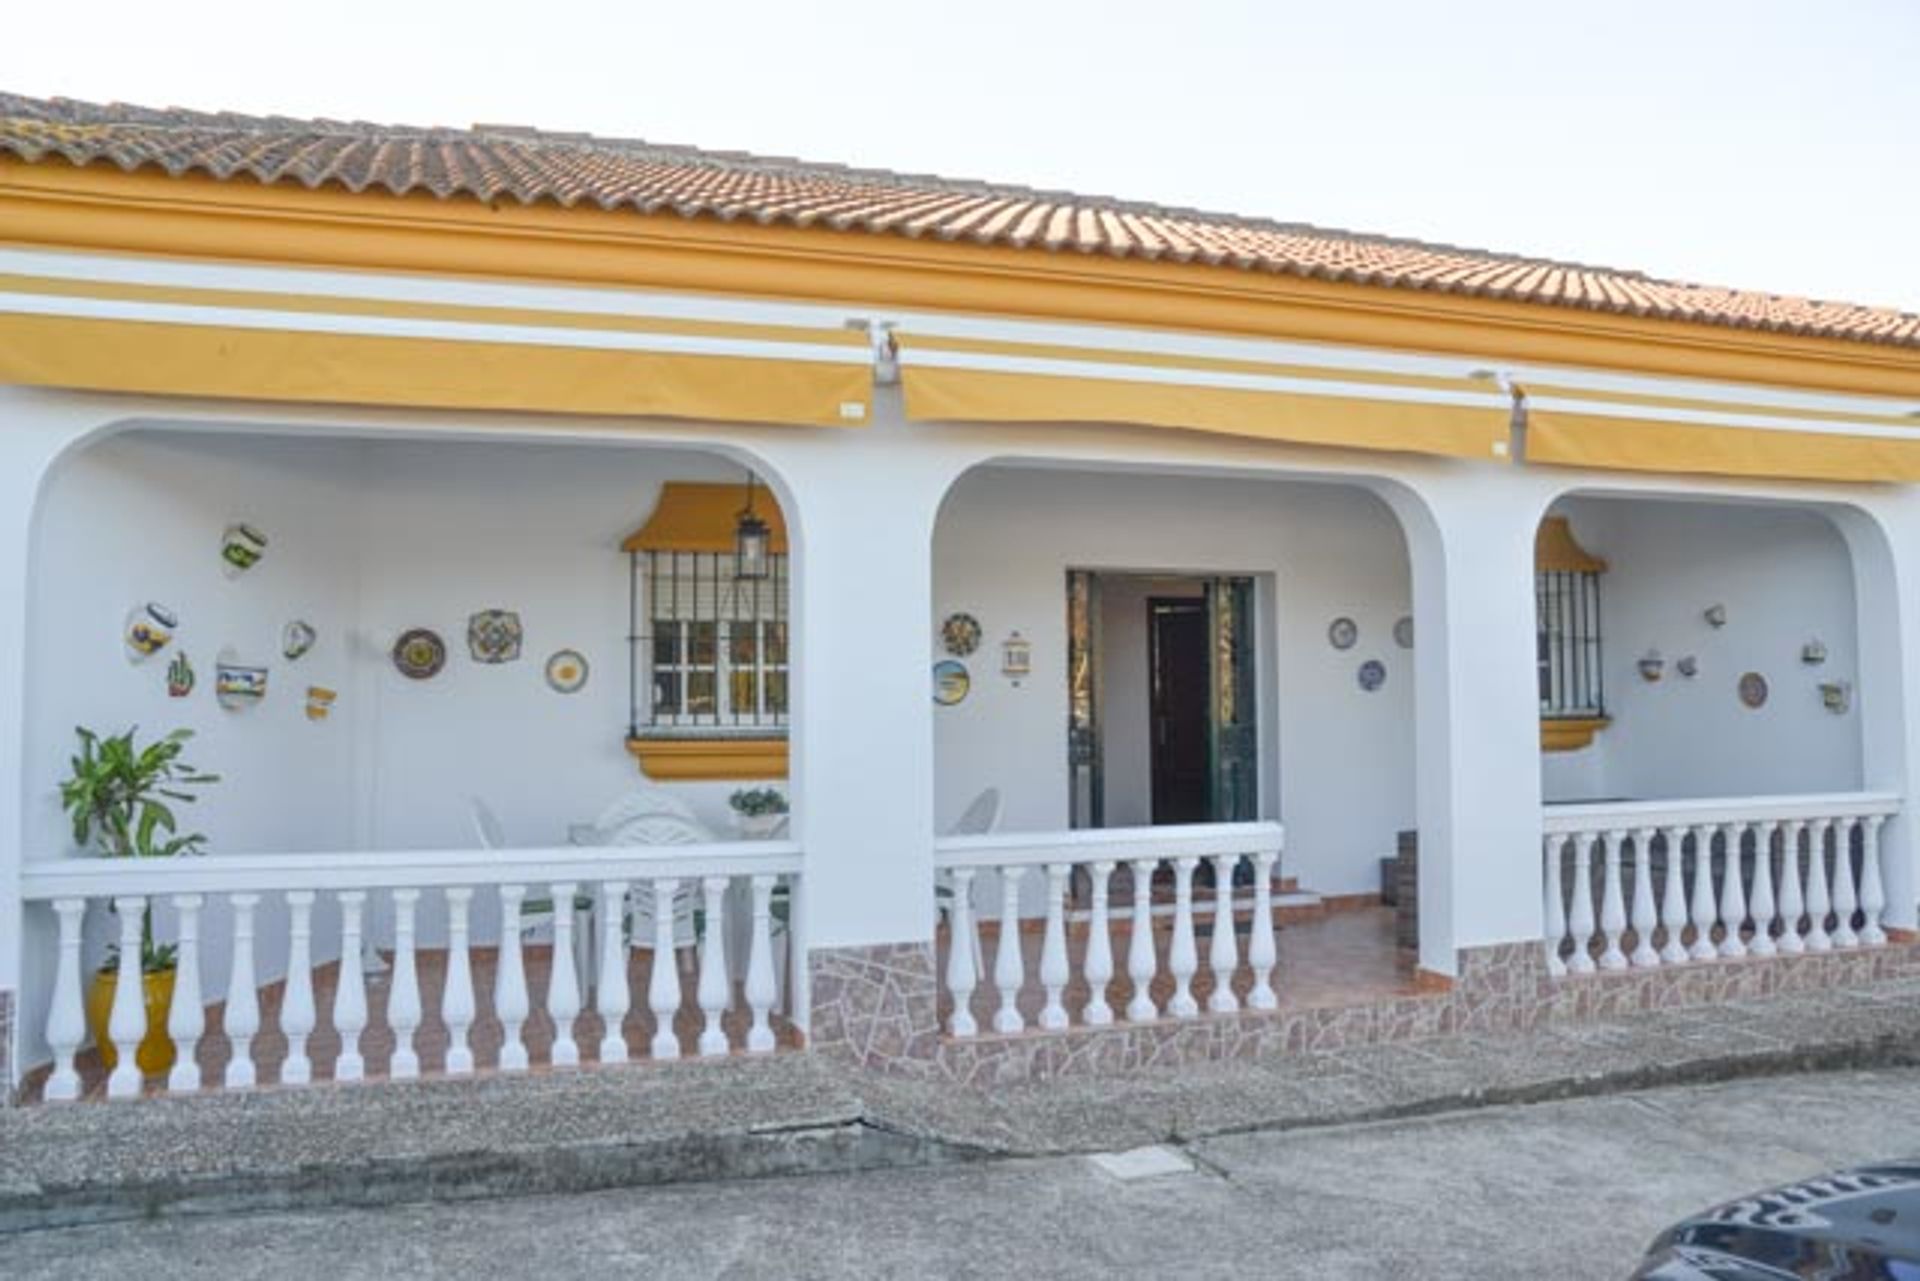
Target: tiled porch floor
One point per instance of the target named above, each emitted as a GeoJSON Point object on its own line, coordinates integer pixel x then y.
{"type": "Point", "coordinates": [270, 1044]}
{"type": "Point", "coordinates": [1344, 957]}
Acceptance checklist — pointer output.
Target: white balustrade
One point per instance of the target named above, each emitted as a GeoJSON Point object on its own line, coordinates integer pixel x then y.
{"type": "Point", "coordinates": [1803, 902]}
{"type": "Point", "coordinates": [213, 895]}
{"type": "Point", "coordinates": [1034, 873]}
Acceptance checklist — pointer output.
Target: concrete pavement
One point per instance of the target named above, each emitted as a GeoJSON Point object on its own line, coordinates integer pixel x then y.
{"type": "Point", "coordinates": [1571, 1189]}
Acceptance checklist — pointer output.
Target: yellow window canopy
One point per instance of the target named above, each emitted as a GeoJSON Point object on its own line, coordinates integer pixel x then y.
{"type": "Point", "coordinates": [393, 351]}
{"type": "Point", "coordinates": [698, 516]}
{"type": "Point", "coordinates": [970, 380]}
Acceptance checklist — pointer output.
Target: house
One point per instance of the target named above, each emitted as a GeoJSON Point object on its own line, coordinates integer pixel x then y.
{"type": "Point", "coordinates": [1111, 590]}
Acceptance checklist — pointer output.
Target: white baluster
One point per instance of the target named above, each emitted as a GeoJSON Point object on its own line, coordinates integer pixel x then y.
{"type": "Point", "coordinates": [715, 986]}
{"type": "Point", "coordinates": [1099, 963]}
{"type": "Point", "coordinates": [612, 994]}
{"type": "Point", "coordinates": [1733, 895]}
{"type": "Point", "coordinates": [663, 988]}
{"type": "Point", "coordinates": [1792, 907]}
{"type": "Point", "coordinates": [297, 1017]}
{"type": "Point", "coordinates": [1818, 904]}
{"type": "Point", "coordinates": [761, 988]}
{"type": "Point", "coordinates": [127, 1023]}
{"type": "Point", "coordinates": [1844, 899]}
{"type": "Point", "coordinates": [1554, 908]}
{"type": "Point", "coordinates": [563, 981]}
{"type": "Point", "coordinates": [960, 939]}
{"type": "Point", "coordinates": [66, 1016]}
{"type": "Point", "coordinates": [350, 998]}
{"type": "Point", "coordinates": [243, 997]}
{"type": "Point", "coordinates": [1183, 961]}
{"type": "Point", "coordinates": [1009, 967]}
{"type": "Point", "coordinates": [1761, 906]}
{"type": "Point", "coordinates": [1223, 952]}
{"type": "Point", "coordinates": [1053, 949]}
{"type": "Point", "coordinates": [510, 1002]}
{"type": "Point", "coordinates": [457, 1006]}
{"type": "Point", "coordinates": [403, 991]}
{"type": "Point", "coordinates": [1644, 956]}
{"type": "Point", "coordinates": [1580, 910]}
{"type": "Point", "coordinates": [1673, 898]}
{"type": "Point", "coordinates": [1261, 953]}
{"type": "Point", "coordinates": [1141, 961]}
{"type": "Point", "coordinates": [1873, 894]}
{"type": "Point", "coordinates": [1703, 896]}
{"type": "Point", "coordinates": [1613, 909]}
{"type": "Point", "coordinates": [187, 1019]}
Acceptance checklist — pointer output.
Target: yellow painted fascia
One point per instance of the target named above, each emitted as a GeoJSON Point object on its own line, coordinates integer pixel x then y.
{"type": "Point", "coordinates": [102, 209]}
{"type": "Point", "coordinates": [1570, 734]}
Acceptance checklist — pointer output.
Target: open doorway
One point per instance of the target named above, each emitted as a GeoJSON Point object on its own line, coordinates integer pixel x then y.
{"type": "Point", "coordinates": [1161, 697]}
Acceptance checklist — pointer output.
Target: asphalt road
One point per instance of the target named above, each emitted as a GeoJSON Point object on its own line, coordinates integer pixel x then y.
{"type": "Point", "coordinates": [1566, 1190]}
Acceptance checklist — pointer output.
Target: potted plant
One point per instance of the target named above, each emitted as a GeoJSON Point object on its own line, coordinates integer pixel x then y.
{"type": "Point", "coordinates": [760, 812]}
{"type": "Point", "coordinates": [119, 797]}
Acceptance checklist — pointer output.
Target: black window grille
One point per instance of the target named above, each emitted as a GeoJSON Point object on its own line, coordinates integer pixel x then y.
{"type": "Point", "coordinates": [708, 650]}
{"type": "Point", "coordinates": [1568, 644]}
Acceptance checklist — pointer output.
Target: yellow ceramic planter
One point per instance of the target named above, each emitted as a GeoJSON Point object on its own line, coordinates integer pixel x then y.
{"type": "Point", "coordinates": [156, 1050]}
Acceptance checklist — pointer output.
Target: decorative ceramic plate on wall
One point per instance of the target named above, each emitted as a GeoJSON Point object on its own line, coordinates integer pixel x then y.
{"type": "Point", "coordinates": [419, 654]}
{"type": "Point", "coordinates": [493, 636]}
{"type": "Point", "coordinates": [1372, 675]}
{"type": "Point", "coordinates": [1753, 690]}
{"type": "Point", "coordinates": [566, 671]}
{"type": "Point", "coordinates": [1403, 632]}
{"type": "Point", "coordinates": [950, 682]}
{"type": "Point", "coordinates": [960, 634]}
{"type": "Point", "coordinates": [1342, 633]}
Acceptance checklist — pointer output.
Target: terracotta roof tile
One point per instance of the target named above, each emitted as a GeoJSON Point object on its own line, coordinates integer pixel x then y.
{"type": "Point", "coordinates": [492, 162]}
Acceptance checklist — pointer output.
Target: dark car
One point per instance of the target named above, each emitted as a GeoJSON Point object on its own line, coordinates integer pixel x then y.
{"type": "Point", "coordinates": [1855, 1225]}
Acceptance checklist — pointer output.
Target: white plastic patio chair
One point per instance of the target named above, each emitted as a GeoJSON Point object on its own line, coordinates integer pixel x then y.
{"type": "Point", "coordinates": [660, 827]}
{"type": "Point", "coordinates": [537, 912]}
{"type": "Point", "coordinates": [980, 817]}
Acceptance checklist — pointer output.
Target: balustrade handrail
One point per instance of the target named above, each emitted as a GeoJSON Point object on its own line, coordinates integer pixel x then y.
{"type": "Point", "coordinates": [1567, 819]}
{"type": "Point", "coordinates": [46, 879]}
{"type": "Point", "coordinates": [1109, 844]}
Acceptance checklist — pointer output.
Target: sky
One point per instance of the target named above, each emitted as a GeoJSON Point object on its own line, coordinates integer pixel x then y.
{"type": "Point", "coordinates": [1762, 144]}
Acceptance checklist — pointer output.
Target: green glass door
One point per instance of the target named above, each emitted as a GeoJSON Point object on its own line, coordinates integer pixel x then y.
{"type": "Point", "coordinates": [1236, 743]}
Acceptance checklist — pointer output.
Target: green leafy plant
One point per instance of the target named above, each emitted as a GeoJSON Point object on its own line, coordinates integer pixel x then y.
{"type": "Point", "coordinates": [757, 802]}
{"type": "Point", "coordinates": [120, 798]}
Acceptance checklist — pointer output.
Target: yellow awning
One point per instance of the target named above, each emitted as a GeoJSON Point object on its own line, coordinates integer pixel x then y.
{"type": "Point", "coordinates": [1780, 451]}
{"type": "Point", "coordinates": [697, 516]}
{"type": "Point", "coordinates": [966, 380]}
{"type": "Point", "coordinates": [112, 336]}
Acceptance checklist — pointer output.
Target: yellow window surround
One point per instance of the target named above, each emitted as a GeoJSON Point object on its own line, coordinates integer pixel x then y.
{"type": "Point", "coordinates": [1557, 551]}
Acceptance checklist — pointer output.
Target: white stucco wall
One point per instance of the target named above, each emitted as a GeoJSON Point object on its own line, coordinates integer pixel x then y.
{"type": "Point", "coordinates": [1337, 763]}
{"type": "Point", "coordinates": [1786, 578]}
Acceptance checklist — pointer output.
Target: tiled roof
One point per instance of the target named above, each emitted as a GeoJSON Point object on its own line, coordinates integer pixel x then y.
{"type": "Point", "coordinates": [495, 162]}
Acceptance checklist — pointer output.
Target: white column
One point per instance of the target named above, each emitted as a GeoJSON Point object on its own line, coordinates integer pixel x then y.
{"type": "Point", "coordinates": [1873, 896]}
{"type": "Point", "coordinates": [612, 995]}
{"type": "Point", "coordinates": [715, 987]}
{"type": "Point", "coordinates": [127, 1022]}
{"type": "Point", "coordinates": [457, 1006]}
{"type": "Point", "coordinates": [1261, 953]}
{"type": "Point", "coordinates": [1613, 912]}
{"type": "Point", "coordinates": [1673, 897]}
{"type": "Point", "coordinates": [761, 989]}
{"type": "Point", "coordinates": [1053, 949]}
{"type": "Point", "coordinates": [1182, 960]}
{"type": "Point", "coordinates": [1099, 963]}
{"type": "Point", "coordinates": [1761, 905]}
{"type": "Point", "coordinates": [1141, 962]}
{"type": "Point", "coordinates": [1644, 956]}
{"type": "Point", "coordinates": [403, 991]}
{"type": "Point", "coordinates": [1844, 898]}
{"type": "Point", "coordinates": [1556, 913]}
{"type": "Point", "coordinates": [563, 984]}
{"type": "Point", "coordinates": [1792, 907]}
{"type": "Point", "coordinates": [66, 1016]}
{"type": "Point", "coordinates": [961, 934]}
{"type": "Point", "coordinates": [663, 985]}
{"type": "Point", "coordinates": [297, 1018]}
{"type": "Point", "coordinates": [510, 1003]}
{"type": "Point", "coordinates": [1580, 913]}
{"type": "Point", "coordinates": [1818, 904]}
{"type": "Point", "coordinates": [350, 997]}
{"type": "Point", "coordinates": [187, 1019]}
{"type": "Point", "coordinates": [1223, 951]}
{"type": "Point", "coordinates": [1733, 896]}
{"type": "Point", "coordinates": [1703, 896]}
{"type": "Point", "coordinates": [1009, 967]}
{"type": "Point", "coordinates": [243, 996]}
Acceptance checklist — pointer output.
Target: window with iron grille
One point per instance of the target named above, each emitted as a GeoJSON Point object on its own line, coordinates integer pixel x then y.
{"type": "Point", "coordinates": [709, 648]}
{"type": "Point", "coordinates": [1567, 642]}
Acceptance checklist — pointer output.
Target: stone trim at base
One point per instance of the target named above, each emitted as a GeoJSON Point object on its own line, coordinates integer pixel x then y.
{"type": "Point", "coordinates": [878, 1008]}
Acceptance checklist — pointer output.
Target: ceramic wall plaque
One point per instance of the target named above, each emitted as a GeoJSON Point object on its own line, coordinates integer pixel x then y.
{"type": "Point", "coordinates": [320, 702]}
{"type": "Point", "coordinates": [237, 683]}
{"type": "Point", "coordinates": [1016, 657]}
{"type": "Point", "coordinates": [1836, 696]}
{"type": "Point", "coordinates": [566, 671]}
{"type": "Point", "coordinates": [1403, 632]}
{"type": "Point", "coordinates": [493, 636]}
{"type": "Point", "coordinates": [1813, 653]}
{"type": "Point", "coordinates": [950, 682]}
{"type": "Point", "coordinates": [180, 675]}
{"type": "Point", "coordinates": [148, 629]}
{"type": "Point", "coordinates": [296, 638]}
{"type": "Point", "coordinates": [1372, 675]}
{"type": "Point", "coordinates": [1753, 690]}
{"type": "Point", "coordinates": [960, 634]}
{"type": "Point", "coordinates": [1343, 633]}
{"type": "Point", "coordinates": [1688, 666]}
{"type": "Point", "coordinates": [241, 548]}
{"type": "Point", "coordinates": [419, 653]}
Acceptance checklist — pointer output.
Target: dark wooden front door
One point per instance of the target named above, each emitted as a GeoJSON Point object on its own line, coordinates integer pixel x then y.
{"type": "Point", "coordinates": [1179, 682]}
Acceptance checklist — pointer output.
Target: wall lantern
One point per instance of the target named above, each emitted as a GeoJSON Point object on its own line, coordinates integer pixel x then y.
{"type": "Point", "coordinates": [750, 542]}
{"type": "Point", "coordinates": [1688, 667]}
{"type": "Point", "coordinates": [1716, 616]}
{"type": "Point", "coordinates": [1652, 665]}
{"type": "Point", "coordinates": [1836, 696]}
{"type": "Point", "coordinates": [1813, 653]}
